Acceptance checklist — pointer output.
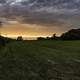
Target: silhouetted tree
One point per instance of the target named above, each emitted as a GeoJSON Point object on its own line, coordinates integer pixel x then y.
{"type": "Point", "coordinates": [40, 38]}
{"type": "Point", "coordinates": [53, 36]}
{"type": "Point", "coordinates": [2, 41]}
{"type": "Point", "coordinates": [73, 34]}
{"type": "Point", "coordinates": [19, 38]}
{"type": "Point", "coordinates": [47, 38]}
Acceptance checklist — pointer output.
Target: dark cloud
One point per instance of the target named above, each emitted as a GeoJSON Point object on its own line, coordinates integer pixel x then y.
{"type": "Point", "coordinates": [50, 13]}
{"type": "Point", "coordinates": [2, 1]}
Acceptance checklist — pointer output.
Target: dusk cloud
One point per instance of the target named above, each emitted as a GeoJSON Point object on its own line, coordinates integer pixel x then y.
{"type": "Point", "coordinates": [50, 13]}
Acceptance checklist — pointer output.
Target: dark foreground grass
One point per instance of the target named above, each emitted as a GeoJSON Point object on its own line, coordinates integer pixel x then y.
{"type": "Point", "coordinates": [40, 60]}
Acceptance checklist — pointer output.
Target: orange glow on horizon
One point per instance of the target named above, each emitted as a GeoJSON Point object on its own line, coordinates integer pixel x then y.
{"type": "Point", "coordinates": [15, 29]}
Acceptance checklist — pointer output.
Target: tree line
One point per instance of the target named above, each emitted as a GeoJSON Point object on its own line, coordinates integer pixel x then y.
{"type": "Point", "coordinates": [73, 34]}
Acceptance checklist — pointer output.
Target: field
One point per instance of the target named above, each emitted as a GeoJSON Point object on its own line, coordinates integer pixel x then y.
{"type": "Point", "coordinates": [40, 60]}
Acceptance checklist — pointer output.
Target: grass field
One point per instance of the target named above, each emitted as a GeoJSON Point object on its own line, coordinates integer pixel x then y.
{"type": "Point", "coordinates": [40, 60]}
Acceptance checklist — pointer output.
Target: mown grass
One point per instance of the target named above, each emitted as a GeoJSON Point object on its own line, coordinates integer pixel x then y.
{"type": "Point", "coordinates": [40, 60]}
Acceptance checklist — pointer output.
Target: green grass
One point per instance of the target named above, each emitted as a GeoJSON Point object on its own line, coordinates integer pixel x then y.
{"type": "Point", "coordinates": [40, 60]}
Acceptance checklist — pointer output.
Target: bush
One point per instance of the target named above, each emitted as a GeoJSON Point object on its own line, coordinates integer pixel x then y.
{"type": "Point", "coordinates": [19, 38]}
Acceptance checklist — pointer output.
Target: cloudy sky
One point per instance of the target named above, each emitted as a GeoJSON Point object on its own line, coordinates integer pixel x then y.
{"type": "Point", "coordinates": [38, 17]}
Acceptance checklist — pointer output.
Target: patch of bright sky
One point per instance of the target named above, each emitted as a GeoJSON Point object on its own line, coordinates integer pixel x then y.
{"type": "Point", "coordinates": [18, 0]}
{"type": "Point", "coordinates": [21, 0]}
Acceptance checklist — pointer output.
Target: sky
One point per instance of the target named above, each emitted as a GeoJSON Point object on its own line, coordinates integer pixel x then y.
{"type": "Point", "coordinates": [38, 17]}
